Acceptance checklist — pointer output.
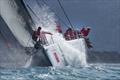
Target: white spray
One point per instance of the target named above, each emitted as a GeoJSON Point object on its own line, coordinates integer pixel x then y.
{"type": "Point", "coordinates": [73, 55]}
{"type": "Point", "coordinates": [47, 21]}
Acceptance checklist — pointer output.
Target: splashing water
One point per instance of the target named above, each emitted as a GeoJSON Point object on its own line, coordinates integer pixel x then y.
{"type": "Point", "coordinates": [93, 72]}
{"type": "Point", "coordinates": [74, 56]}
{"type": "Point", "coordinates": [42, 16]}
{"type": "Point", "coordinates": [47, 20]}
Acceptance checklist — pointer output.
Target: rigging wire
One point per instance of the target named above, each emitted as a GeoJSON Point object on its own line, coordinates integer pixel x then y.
{"type": "Point", "coordinates": [67, 17]}
{"type": "Point", "coordinates": [26, 5]}
{"type": "Point", "coordinates": [65, 14]}
{"type": "Point", "coordinates": [33, 14]}
{"type": "Point", "coordinates": [55, 13]}
{"type": "Point", "coordinates": [41, 6]}
{"type": "Point", "coordinates": [32, 11]}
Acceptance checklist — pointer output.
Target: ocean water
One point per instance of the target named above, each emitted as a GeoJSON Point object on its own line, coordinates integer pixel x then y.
{"type": "Point", "coordinates": [92, 72]}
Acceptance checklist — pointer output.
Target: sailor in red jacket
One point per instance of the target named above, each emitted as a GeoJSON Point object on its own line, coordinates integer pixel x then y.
{"type": "Point", "coordinates": [40, 35]}
{"type": "Point", "coordinates": [85, 31]}
{"type": "Point", "coordinates": [70, 34]}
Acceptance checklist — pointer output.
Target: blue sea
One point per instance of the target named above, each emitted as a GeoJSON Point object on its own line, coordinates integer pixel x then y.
{"type": "Point", "coordinates": [91, 72]}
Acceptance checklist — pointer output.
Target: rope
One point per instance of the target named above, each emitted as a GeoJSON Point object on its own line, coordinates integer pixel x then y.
{"type": "Point", "coordinates": [55, 14]}
{"type": "Point", "coordinates": [38, 3]}
{"type": "Point", "coordinates": [60, 18]}
{"type": "Point", "coordinates": [32, 12]}
{"type": "Point", "coordinates": [33, 23]}
{"type": "Point", "coordinates": [65, 14]}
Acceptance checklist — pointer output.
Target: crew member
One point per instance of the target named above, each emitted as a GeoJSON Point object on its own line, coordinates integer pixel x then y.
{"type": "Point", "coordinates": [39, 36]}
{"type": "Point", "coordinates": [84, 33]}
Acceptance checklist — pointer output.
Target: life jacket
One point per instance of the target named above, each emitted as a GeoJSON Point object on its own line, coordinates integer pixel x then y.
{"type": "Point", "coordinates": [36, 34]}
{"type": "Point", "coordinates": [70, 34]}
{"type": "Point", "coordinates": [84, 32]}
{"type": "Point", "coordinates": [66, 36]}
{"type": "Point", "coordinates": [40, 35]}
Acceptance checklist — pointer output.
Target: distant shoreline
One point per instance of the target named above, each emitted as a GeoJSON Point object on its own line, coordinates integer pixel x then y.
{"type": "Point", "coordinates": [103, 57]}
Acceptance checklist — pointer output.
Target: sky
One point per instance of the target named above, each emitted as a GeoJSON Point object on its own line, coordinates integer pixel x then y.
{"type": "Point", "coordinates": [103, 16]}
